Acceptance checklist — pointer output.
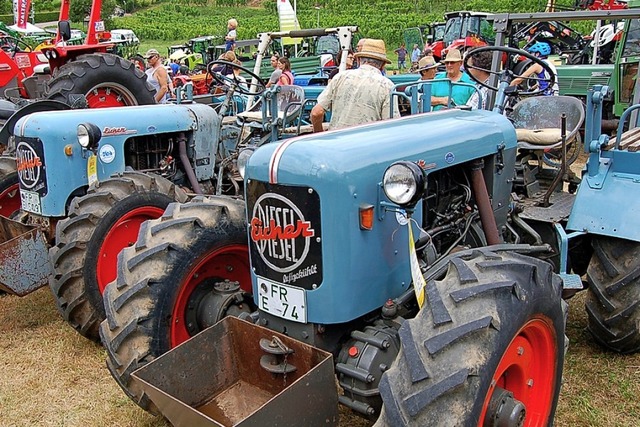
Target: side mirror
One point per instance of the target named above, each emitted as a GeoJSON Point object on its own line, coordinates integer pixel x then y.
{"type": "Point", "coordinates": [64, 29]}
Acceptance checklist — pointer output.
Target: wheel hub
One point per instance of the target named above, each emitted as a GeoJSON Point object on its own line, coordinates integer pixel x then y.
{"type": "Point", "coordinates": [212, 300]}
{"type": "Point", "coordinates": [504, 410]}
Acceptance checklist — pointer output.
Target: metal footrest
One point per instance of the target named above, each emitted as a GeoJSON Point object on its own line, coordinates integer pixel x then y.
{"type": "Point", "coordinates": [571, 281]}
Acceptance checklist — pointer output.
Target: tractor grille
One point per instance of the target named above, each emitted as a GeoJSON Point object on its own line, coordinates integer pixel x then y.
{"type": "Point", "coordinates": [285, 233]}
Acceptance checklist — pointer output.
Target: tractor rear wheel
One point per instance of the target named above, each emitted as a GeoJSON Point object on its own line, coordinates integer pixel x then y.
{"type": "Point", "coordinates": [106, 80]}
{"type": "Point", "coordinates": [187, 270]}
{"type": "Point", "coordinates": [100, 224]}
{"type": "Point", "coordinates": [486, 349]}
{"type": "Point", "coordinates": [9, 188]}
{"type": "Point", "coordinates": [613, 299]}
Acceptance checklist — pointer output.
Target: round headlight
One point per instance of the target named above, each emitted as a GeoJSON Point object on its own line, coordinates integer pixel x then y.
{"type": "Point", "coordinates": [403, 183]}
{"type": "Point", "coordinates": [88, 135]}
{"type": "Point", "coordinates": [243, 159]}
{"type": "Point", "coordinates": [83, 135]}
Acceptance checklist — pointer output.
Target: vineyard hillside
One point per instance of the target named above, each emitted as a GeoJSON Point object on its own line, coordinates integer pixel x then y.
{"type": "Point", "coordinates": [385, 19]}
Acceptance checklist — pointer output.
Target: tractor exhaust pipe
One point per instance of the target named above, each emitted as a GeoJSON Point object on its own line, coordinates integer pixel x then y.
{"type": "Point", "coordinates": [481, 194]}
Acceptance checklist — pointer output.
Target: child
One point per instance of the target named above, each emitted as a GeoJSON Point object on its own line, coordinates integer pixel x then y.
{"type": "Point", "coordinates": [230, 39]}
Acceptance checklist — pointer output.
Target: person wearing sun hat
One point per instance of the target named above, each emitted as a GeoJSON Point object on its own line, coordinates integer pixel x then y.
{"type": "Point", "coordinates": [460, 94]}
{"type": "Point", "coordinates": [358, 96]}
{"type": "Point", "coordinates": [157, 76]}
{"type": "Point", "coordinates": [427, 67]}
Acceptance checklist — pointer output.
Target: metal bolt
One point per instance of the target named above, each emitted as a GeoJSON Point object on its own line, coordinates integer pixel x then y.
{"type": "Point", "coordinates": [520, 351]}
{"type": "Point", "coordinates": [314, 286]}
{"type": "Point", "coordinates": [530, 382]}
{"type": "Point", "coordinates": [318, 239]}
{"type": "Point", "coordinates": [229, 268]}
{"type": "Point", "coordinates": [310, 190]}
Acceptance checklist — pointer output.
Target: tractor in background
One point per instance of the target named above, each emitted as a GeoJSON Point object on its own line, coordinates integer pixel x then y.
{"type": "Point", "coordinates": [463, 30]}
{"type": "Point", "coordinates": [420, 264]}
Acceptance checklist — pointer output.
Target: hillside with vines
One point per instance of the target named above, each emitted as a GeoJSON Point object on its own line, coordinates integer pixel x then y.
{"type": "Point", "coordinates": [385, 19]}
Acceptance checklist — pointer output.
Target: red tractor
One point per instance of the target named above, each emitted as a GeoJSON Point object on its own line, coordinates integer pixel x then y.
{"type": "Point", "coordinates": [463, 30]}
{"type": "Point", "coordinates": [64, 72]}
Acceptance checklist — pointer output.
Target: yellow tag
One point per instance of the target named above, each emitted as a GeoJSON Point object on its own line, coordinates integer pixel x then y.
{"type": "Point", "coordinates": [92, 169]}
{"type": "Point", "coordinates": [419, 285]}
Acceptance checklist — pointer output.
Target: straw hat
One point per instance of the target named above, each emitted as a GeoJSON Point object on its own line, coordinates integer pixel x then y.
{"type": "Point", "coordinates": [150, 53]}
{"type": "Point", "coordinates": [427, 63]}
{"type": "Point", "coordinates": [373, 48]}
{"type": "Point", "coordinates": [453, 55]}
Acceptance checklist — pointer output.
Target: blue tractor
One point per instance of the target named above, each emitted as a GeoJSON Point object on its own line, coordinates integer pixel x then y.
{"type": "Point", "coordinates": [426, 266]}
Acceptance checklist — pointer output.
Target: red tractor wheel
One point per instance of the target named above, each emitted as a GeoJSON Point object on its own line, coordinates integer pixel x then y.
{"type": "Point", "coordinates": [187, 270]}
{"type": "Point", "coordinates": [100, 224]}
{"type": "Point", "coordinates": [105, 80]}
{"type": "Point", "coordinates": [489, 342]}
{"type": "Point", "coordinates": [9, 188]}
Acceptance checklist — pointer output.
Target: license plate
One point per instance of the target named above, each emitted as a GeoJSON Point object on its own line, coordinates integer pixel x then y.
{"type": "Point", "coordinates": [287, 302]}
{"type": "Point", "coordinates": [30, 201]}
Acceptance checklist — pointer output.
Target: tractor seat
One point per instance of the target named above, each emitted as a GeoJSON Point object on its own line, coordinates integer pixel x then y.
{"type": "Point", "coordinates": [537, 120]}
{"type": "Point", "coordinates": [290, 100]}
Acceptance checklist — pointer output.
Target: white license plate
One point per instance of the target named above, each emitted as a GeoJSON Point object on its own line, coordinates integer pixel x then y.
{"type": "Point", "coordinates": [281, 300]}
{"type": "Point", "coordinates": [30, 201]}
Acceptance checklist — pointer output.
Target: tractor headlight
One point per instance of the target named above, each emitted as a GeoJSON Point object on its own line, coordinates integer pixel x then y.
{"type": "Point", "coordinates": [243, 159]}
{"type": "Point", "coordinates": [403, 183]}
{"type": "Point", "coordinates": [88, 135]}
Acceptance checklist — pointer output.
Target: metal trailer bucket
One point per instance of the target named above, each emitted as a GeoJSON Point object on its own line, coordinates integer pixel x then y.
{"type": "Point", "coordinates": [224, 376]}
{"type": "Point", "coordinates": [24, 258]}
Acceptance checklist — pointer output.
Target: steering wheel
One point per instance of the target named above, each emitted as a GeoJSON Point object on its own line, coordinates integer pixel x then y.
{"type": "Point", "coordinates": [214, 68]}
{"type": "Point", "coordinates": [14, 45]}
{"type": "Point", "coordinates": [510, 51]}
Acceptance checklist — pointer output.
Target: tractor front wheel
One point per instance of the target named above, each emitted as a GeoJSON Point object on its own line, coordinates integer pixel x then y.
{"type": "Point", "coordinates": [100, 224]}
{"type": "Point", "coordinates": [486, 349]}
{"type": "Point", "coordinates": [613, 301]}
{"type": "Point", "coordinates": [188, 269]}
{"type": "Point", "coordinates": [105, 80]}
{"type": "Point", "coordinates": [9, 188]}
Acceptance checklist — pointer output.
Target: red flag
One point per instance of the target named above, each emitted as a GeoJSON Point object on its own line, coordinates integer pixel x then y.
{"type": "Point", "coordinates": [22, 9]}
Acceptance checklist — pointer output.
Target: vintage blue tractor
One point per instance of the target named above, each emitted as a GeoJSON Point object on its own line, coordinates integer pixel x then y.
{"type": "Point", "coordinates": [425, 264]}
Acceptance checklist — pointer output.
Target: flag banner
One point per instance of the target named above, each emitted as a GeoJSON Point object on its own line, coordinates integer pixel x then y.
{"type": "Point", "coordinates": [21, 12]}
{"type": "Point", "coordinates": [288, 21]}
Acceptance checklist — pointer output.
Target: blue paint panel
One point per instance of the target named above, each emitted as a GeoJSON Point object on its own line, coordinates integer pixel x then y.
{"type": "Point", "coordinates": [614, 208]}
{"type": "Point", "coordinates": [345, 168]}
{"type": "Point", "coordinates": [56, 129]}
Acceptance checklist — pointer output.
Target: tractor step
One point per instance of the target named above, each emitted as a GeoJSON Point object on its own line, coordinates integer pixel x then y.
{"type": "Point", "coordinates": [216, 379]}
{"type": "Point", "coordinates": [571, 281]}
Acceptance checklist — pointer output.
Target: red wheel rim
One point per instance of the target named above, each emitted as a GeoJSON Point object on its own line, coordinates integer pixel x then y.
{"type": "Point", "coordinates": [229, 262]}
{"type": "Point", "coordinates": [10, 201]}
{"type": "Point", "coordinates": [124, 233]}
{"type": "Point", "coordinates": [528, 369]}
{"type": "Point", "coordinates": [110, 95]}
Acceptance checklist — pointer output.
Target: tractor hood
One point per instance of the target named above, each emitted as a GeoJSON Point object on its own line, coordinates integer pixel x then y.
{"type": "Point", "coordinates": [311, 188]}
{"type": "Point", "coordinates": [50, 139]}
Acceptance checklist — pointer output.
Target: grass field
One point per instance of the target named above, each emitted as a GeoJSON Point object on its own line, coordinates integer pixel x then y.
{"type": "Point", "coordinates": [51, 376]}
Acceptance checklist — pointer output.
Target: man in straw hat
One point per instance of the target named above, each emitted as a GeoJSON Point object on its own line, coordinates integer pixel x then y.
{"type": "Point", "coordinates": [427, 67]}
{"type": "Point", "coordinates": [440, 90]}
{"type": "Point", "coordinates": [357, 96]}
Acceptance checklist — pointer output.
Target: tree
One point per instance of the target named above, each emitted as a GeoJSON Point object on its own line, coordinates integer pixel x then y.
{"type": "Point", "coordinates": [79, 9]}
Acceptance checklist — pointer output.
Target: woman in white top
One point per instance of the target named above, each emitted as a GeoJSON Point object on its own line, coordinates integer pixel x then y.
{"type": "Point", "coordinates": [157, 76]}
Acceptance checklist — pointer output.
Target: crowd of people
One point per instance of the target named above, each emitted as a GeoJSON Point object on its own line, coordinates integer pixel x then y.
{"type": "Point", "coordinates": [362, 93]}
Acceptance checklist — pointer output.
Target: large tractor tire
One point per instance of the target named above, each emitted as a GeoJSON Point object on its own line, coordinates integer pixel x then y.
{"type": "Point", "coordinates": [166, 280]}
{"type": "Point", "coordinates": [100, 224]}
{"type": "Point", "coordinates": [9, 188]}
{"type": "Point", "coordinates": [486, 349]}
{"type": "Point", "coordinates": [106, 80]}
{"type": "Point", "coordinates": [613, 299]}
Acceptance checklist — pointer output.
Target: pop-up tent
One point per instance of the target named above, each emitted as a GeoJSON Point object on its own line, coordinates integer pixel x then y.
{"type": "Point", "coordinates": [29, 29]}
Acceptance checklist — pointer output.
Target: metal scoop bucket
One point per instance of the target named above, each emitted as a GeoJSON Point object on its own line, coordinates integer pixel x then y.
{"type": "Point", "coordinates": [24, 258]}
{"type": "Point", "coordinates": [239, 374]}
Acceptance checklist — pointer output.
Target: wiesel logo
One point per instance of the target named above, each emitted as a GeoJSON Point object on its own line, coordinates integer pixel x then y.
{"type": "Point", "coordinates": [280, 232]}
{"type": "Point", "coordinates": [28, 164]}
